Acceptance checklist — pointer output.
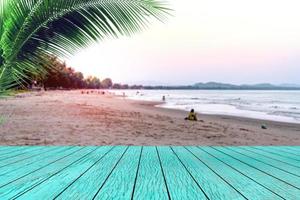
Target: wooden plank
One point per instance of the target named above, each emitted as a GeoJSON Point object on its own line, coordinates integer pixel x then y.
{"type": "Point", "coordinates": [24, 157]}
{"type": "Point", "coordinates": [280, 188]}
{"type": "Point", "coordinates": [11, 150]}
{"type": "Point", "coordinates": [180, 183]}
{"type": "Point", "coordinates": [7, 150]}
{"type": "Point", "coordinates": [293, 148]}
{"type": "Point", "coordinates": [289, 161]}
{"type": "Point", "coordinates": [28, 180]}
{"type": "Point", "coordinates": [14, 154]}
{"type": "Point", "coordinates": [280, 165]}
{"type": "Point", "coordinates": [20, 153]}
{"type": "Point", "coordinates": [290, 179]}
{"type": "Point", "coordinates": [8, 176]}
{"type": "Point", "coordinates": [122, 177]}
{"type": "Point", "coordinates": [59, 181]}
{"type": "Point", "coordinates": [246, 186]}
{"type": "Point", "coordinates": [279, 153]}
{"type": "Point", "coordinates": [149, 173]}
{"type": "Point", "coordinates": [30, 163]}
{"type": "Point", "coordinates": [214, 186]}
{"type": "Point", "coordinates": [285, 150]}
{"type": "Point", "coordinates": [150, 182]}
{"type": "Point", "coordinates": [86, 186]}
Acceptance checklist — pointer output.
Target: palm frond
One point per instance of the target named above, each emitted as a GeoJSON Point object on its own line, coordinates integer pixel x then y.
{"type": "Point", "coordinates": [31, 29]}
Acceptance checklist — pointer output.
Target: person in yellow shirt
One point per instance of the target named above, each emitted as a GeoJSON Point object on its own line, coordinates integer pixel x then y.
{"type": "Point", "coordinates": [192, 116]}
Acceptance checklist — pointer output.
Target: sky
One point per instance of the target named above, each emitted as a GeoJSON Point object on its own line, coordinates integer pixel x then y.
{"type": "Point", "coordinates": [232, 41]}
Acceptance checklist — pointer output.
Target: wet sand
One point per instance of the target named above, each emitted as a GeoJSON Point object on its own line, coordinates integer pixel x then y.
{"type": "Point", "coordinates": [72, 118]}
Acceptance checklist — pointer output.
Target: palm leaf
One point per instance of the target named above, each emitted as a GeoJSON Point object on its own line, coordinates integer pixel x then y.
{"type": "Point", "coordinates": [33, 29]}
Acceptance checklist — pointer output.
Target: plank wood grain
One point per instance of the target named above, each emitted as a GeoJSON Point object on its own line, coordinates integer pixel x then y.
{"type": "Point", "coordinates": [277, 157]}
{"type": "Point", "coordinates": [180, 183]}
{"type": "Point", "coordinates": [295, 158]}
{"type": "Point", "coordinates": [57, 182]}
{"type": "Point", "coordinates": [150, 183]}
{"type": "Point", "coordinates": [8, 175]}
{"type": "Point", "coordinates": [24, 183]}
{"type": "Point", "coordinates": [278, 187]}
{"type": "Point", "coordinates": [25, 159]}
{"type": "Point", "coordinates": [19, 154]}
{"type": "Point", "coordinates": [293, 148]}
{"type": "Point", "coordinates": [86, 186]}
{"type": "Point", "coordinates": [246, 186]}
{"type": "Point", "coordinates": [268, 169]}
{"type": "Point", "coordinates": [119, 185]}
{"type": "Point", "coordinates": [4, 150]}
{"type": "Point", "coordinates": [267, 160]}
{"type": "Point", "coordinates": [214, 186]}
{"type": "Point", "coordinates": [284, 149]}
{"type": "Point", "coordinates": [150, 173]}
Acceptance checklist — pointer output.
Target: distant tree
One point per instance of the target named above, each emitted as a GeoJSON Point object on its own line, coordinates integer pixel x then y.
{"type": "Point", "coordinates": [120, 86]}
{"type": "Point", "coordinates": [93, 82]}
{"type": "Point", "coordinates": [55, 74]}
{"type": "Point", "coordinates": [60, 75]}
{"type": "Point", "coordinates": [125, 87]}
{"type": "Point", "coordinates": [136, 87]}
{"type": "Point", "coordinates": [107, 83]}
{"type": "Point", "coordinates": [78, 80]}
{"type": "Point", "coordinates": [117, 86]}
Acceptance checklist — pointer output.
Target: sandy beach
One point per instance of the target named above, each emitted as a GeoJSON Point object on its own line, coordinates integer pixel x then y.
{"type": "Point", "coordinates": [72, 118]}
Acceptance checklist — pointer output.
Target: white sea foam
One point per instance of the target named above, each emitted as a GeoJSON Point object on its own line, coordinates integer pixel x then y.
{"type": "Point", "coordinates": [271, 105]}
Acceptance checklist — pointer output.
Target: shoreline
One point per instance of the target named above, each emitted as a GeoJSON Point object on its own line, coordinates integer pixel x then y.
{"type": "Point", "coordinates": [72, 118]}
{"type": "Point", "coordinates": [291, 122]}
{"type": "Point", "coordinates": [217, 107]}
{"type": "Point", "coordinates": [229, 118]}
{"type": "Point", "coordinates": [236, 117]}
{"type": "Point", "coordinates": [156, 105]}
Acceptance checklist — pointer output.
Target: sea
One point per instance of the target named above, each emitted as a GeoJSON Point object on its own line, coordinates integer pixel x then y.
{"type": "Point", "coordinates": [275, 105]}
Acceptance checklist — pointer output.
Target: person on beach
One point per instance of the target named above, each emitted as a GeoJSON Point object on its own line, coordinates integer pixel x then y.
{"type": "Point", "coordinates": [192, 116]}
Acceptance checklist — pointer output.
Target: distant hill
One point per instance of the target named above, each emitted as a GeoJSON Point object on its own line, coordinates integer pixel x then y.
{"type": "Point", "coordinates": [215, 85]}
{"type": "Point", "coordinates": [226, 86]}
{"type": "Point", "coordinates": [290, 85]}
{"type": "Point", "coordinates": [260, 86]}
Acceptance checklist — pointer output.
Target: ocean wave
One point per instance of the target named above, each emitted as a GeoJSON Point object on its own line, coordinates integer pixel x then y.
{"type": "Point", "coordinates": [265, 105]}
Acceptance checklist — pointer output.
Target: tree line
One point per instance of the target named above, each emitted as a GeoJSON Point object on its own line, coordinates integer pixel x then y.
{"type": "Point", "coordinates": [59, 75]}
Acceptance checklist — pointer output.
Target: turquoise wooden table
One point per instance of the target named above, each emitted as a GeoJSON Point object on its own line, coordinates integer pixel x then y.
{"type": "Point", "coordinates": [121, 172]}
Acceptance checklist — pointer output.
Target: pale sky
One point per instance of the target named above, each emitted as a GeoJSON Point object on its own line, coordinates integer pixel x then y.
{"type": "Point", "coordinates": [232, 41]}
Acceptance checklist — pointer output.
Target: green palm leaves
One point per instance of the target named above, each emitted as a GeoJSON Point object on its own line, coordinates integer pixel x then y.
{"type": "Point", "coordinates": [31, 30]}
